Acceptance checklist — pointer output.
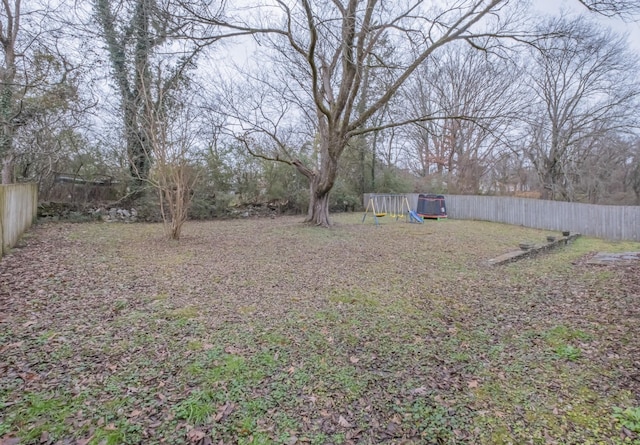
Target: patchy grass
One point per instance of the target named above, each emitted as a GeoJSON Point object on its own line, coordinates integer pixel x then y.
{"type": "Point", "coordinates": [273, 332]}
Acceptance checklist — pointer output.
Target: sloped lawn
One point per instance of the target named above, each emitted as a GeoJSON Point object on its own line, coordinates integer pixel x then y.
{"type": "Point", "coordinates": [269, 331]}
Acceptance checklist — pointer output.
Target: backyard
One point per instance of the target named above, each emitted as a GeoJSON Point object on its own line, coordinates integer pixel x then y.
{"type": "Point", "coordinates": [262, 331]}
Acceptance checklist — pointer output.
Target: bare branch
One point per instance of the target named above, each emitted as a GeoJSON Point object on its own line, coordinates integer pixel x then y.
{"type": "Point", "coordinates": [612, 8]}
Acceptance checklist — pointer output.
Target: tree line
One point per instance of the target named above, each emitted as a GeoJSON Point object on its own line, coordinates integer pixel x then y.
{"type": "Point", "coordinates": [314, 102]}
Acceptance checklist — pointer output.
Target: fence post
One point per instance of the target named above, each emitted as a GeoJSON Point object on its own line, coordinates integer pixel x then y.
{"type": "Point", "coordinates": [34, 202]}
{"type": "Point", "coordinates": [18, 212]}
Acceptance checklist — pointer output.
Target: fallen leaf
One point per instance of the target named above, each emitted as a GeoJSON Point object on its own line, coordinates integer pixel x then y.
{"type": "Point", "coordinates": [10, 441]}
{"type": "Point", "coordinates": [10, 345]}
{"type": "Point", "coordinates": [29, 376]}
{"type": "Point", "coordinates": [420, 391]}
{"type": "Point", "coordinates": [354, 359]}
{"type": "Point", "coordinates": [232, 350]}
{"type": "Point", "coordinates": [472, 384]}
{"type": "Point", "coordinates": [224, 411]}
{"type": "Point", "coordinates": [344, 423]}
{"type": "Point", "coordinates": [195, 435]}
{"type": "Point", "coordinates": [391, 428]}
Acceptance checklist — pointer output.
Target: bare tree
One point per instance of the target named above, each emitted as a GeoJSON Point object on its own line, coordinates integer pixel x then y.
{"type": "Point", "coordinates": [150, 58]}
{"type": "Point", "coordinates": [582, 82]}
{"type": "Point", "coordinates": [10, 16]}
{"type": "Point", "coordinates": [611, 8]}
{"type": "Point", "coordinates": [461, 81]}
{"type": "Point", "coordinates": [173, 175]}
{"type": "Point", "coordinates": [328, 46]}
{"type": "Point", "coordinates": [512, 174]}
{"type": "Point", "coordinates": [52, 121]}
{"type": "Point", "coordinates": [634, 177]}
{"type": "Point", "coordinates": [325, 48]}
{"type": "Point", "coordinates": [607, 171]}
{"type": "Point", "coordinates": [36, 75]}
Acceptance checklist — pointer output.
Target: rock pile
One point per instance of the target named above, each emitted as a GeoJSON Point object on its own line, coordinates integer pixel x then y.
{"type": "Point", "coordinates": [63, 211]}
{"type": "Point", "coordinates": [115, 214]}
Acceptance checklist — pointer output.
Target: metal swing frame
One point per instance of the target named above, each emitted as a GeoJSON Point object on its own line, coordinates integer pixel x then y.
{"type": "Point", "coordinates": [380, 205]}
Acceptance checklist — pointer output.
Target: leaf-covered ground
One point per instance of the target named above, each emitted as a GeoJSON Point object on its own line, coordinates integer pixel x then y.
{"type": "Point", "coordinates": [269, 331]}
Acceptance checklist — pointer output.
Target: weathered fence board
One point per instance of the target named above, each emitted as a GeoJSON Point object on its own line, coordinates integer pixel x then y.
{"type": "Point", "coordinates": [609, 222]}
{"type": "Point", "coordinates": [18, 210]}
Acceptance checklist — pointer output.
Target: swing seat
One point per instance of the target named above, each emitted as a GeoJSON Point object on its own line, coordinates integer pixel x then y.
{"type": "Point", "coordinates": [380, 215]}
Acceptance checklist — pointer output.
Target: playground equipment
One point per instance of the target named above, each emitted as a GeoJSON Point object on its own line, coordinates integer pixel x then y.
{"type": "Point", "coordinates": [394, 206]}
{"type": "Point", "coordinates": [431, 206]}
{"type": "Point", "coordinates": [414, 217]}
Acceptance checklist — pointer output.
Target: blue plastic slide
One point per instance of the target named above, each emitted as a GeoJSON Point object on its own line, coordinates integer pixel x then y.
{"type": "Point", "coordinates": [414, 217]}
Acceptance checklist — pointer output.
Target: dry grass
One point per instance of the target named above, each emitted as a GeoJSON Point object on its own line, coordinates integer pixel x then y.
{"type": "Point", "coordinates": [270, 331]}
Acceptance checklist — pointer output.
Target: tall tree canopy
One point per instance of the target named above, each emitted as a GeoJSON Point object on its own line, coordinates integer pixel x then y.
{"type": "Point", "coordinates": [150, 56]}
{"type": "Point", "coordinates": [323, 49]}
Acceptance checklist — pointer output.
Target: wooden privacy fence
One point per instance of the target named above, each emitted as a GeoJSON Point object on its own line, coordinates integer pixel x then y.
{"type": "Point", "coordinates": [609, 222]}
{"type": "Point", "coordinates": [18, 210]}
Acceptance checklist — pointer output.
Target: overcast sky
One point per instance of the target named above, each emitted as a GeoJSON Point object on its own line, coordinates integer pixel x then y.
{"type": "Point", "coordinates": [618, 25]}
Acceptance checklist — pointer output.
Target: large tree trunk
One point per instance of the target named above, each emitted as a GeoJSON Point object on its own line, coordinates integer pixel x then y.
{"type": "Point", "coordinates": [319, 190]}
{"type": "Point", "coordinates": [320, 185]}
{"type": "Point", "coordinates": [322, 182]}
{"type": "Point", "coordinates": [548, 186]}
{"type": "Point", "coordinates": [134, 87]}
{"type": "Point", "coordinates": [319, 209]}
{"type": "Point", "coordinates": [137, 151]}
{"type": "Point", "coordinates": [552, 187]}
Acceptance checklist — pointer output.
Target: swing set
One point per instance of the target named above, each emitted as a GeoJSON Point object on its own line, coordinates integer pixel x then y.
{"type": "Point", "coordinates": [394, 206]}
